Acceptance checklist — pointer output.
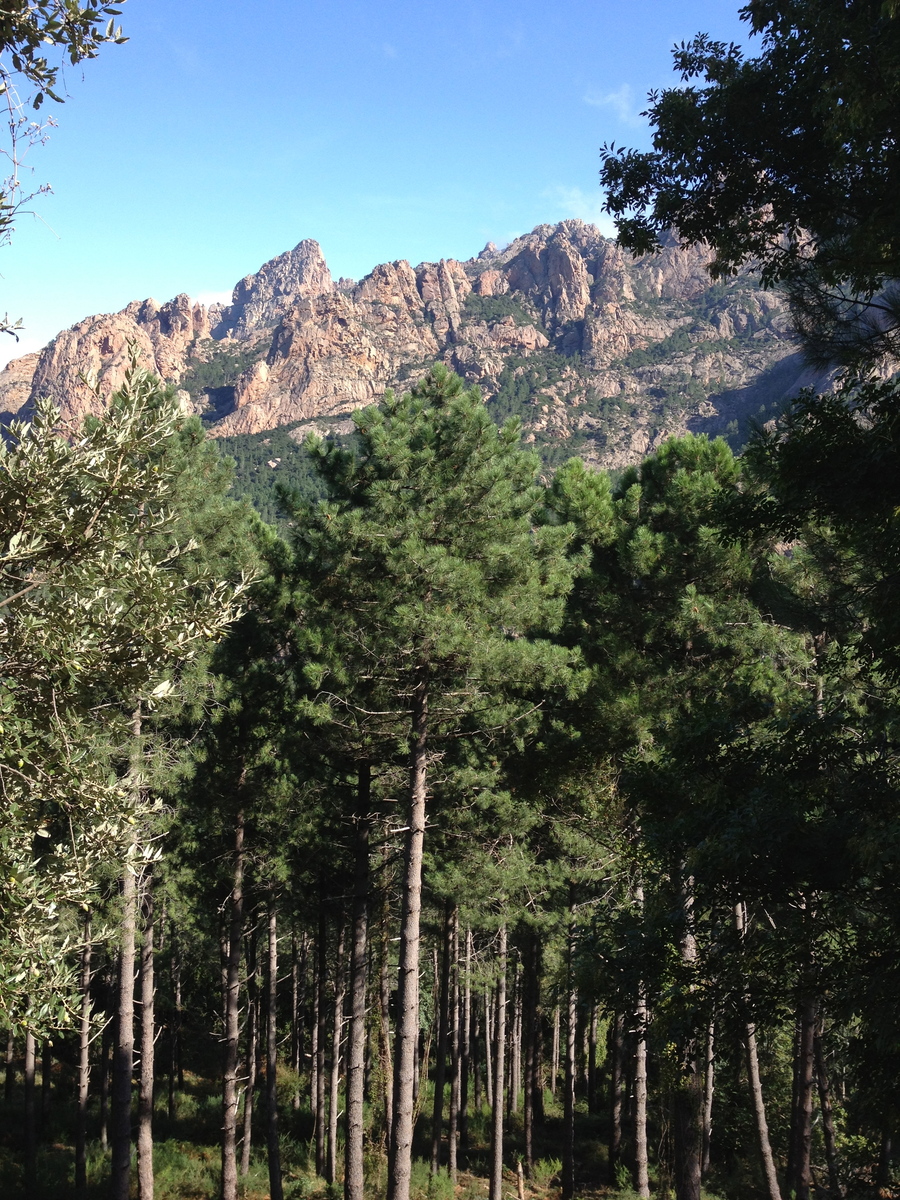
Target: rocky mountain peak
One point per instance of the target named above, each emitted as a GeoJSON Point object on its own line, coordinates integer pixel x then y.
{"type": "Point", "coordinates": [260, 301]}
{"type": "Point", "coordinates": [597, 352]}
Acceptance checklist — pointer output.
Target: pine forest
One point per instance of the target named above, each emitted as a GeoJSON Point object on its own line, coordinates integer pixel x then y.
{"type": "Point", "coordinates": [453, 820]}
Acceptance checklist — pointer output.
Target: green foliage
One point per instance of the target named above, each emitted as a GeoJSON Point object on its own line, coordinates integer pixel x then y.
{"type": "Point", "coordinates": [782, 159]}
{"type": "Point", "coordinates": [495, 308]}
{"type": "Point", "coordinates": [679, 342]}
{"type": "Point", "coordinates": [543, 1172]}
{"type": "Point", "coordinates": [101, 600]}
{"type": "Point", "coordinates": [78, 30]}
{"type": "Point", "coordinates": [216, 373]}
{"type": "Point", "coordinates": [295, 470]}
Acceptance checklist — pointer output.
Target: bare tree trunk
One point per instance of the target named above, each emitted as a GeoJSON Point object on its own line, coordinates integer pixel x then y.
{"type": "Point", "coordinates": [232, 1019]}
{"type": "Point", "coordinates": [616, 1081]}
{"type": "Point", "coordinates": [756, 1092]}
{"type": "Point", "coordinates": [515, 1043]}
{"type": "Point", "coordinates": [148, 1034]}
{"type": "Point", "coordinates": [465, 1047]}
{"type": "Point", "coordinates": [453, 1129]}
{"type": "Point", "coordinates": [805, 1077]}
{"type": "Point", "coordinates": [30, 1128]}
{"type": "Point", "coordinates": [530, 991]}
{"type": "Point", "coordinates": [475, 1052]}
{"type": "Point", "coordinates": [356, 1037]}
{"type": "Point", "coordinates": [496, 1172]}
{"type": "Point", "coordinates": [123, 1050]}
{"type": "Point", "coordinates": [831, 1155]}
{"type": "Point", "coordinates": [106, 1041]}
{"type": "Point", "coordinates": [298, 995]}
{"type": "Point", "coordinates": [689, 1090]}
{"type": "Point", "coordinates": [84, 1064]}
{"type": "Point", "coordinates": [554, 1052]}
{"type": "Point", "coordinates": [276, 1191]}
{"type": "Point", "coordinates": [176, 1069]}
{"type": "Point", "coordinates": [46, 1080]}
{"type": "Point", "coordinates": [708, 1093]}
{"type": "Point", "coordinates": [489, 1049]}
{"type": "Point", "coordinates": [253, 1021]}
{"type": "Point", "coordinates": [10, 1066]}
{"type": "Point", "coordinates": [321, 1038]}
{"type": "Point", "coordinates": [641, 1159]}
{"type": "Point", "coordinates": [568, 1146]}
{"type": "Point", "coordinates": [387, 1069]}
{"type": "Point", "coordinates": [792, 1131]}
{"type": "Point", "coordinates": [885, 1157]}
{"type": "Point", "coordinates": [592, 1061]}
{"type": "Point", "coordinates": [400, 1165]}
{"type": "Point", "coordinates": [440, 1066]}
{"type": "Point", "coordinates": [337, 1034]}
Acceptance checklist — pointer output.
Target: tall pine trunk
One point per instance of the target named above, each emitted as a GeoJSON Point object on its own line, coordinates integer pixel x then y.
{"type": "Point", "coordinates": [148, 1041]}
{"type": "Point", "coordinates": [30, 1115]}
{"type": "Point", "coordinates": [488, 1049]}
{"type": "Point", "coordinates": [10, 1080]}
{"type": "Point", "coordinates": [805, 1076]}
{"type": "Point", "coordinates": [440, 1065]}
{"type": "Point", "coordinates": [496, 1170]}
{"type": "Point", "coordinates": [568, 1146]}
{"type": "Point", "coordinates": [465, 1047]}
{"type": "Point", "coordinates": [232, 1046]}
{"type": "Point", "coordinates": [84, 1064]}
{"type": "Point", "coordinates": [176, 1068]}
{"type": "Point", "coordinates": [384, 1049]}
{"type": "Point", "coordinates": [831, 1155]}
{"type": "Point", "coordinates": [356, 1034]}
{"type": "Point", "coordinates": [554, 1052]}
{"type": "Point", "coordinates": [756, 1093]}
{"type": "Point", "coordinates": [272, 1145]}
{"type": "Point", "coordinates": [455, 1084]}
{"type": "Point", "coordinates": [530, 992]}
{"type": "Point", "coordinates": [336, 1037]}
{"type": "Point", "coordinates": [400, 1165]}
{"type": "Point", "coordinates": [46, 1080]}
{"type": "Point", "coordinates": [475, 1053]}
{"type": "Point", "coordinates": [616, 1082]}
{"type": "Point", "coordinates": [641, 1158]}
{"type": "Point", "coordinates": [106, 1044]}
{"type": "Point", "coordinates": [321, 1130]}
{"type": "Point", "coordinates": [592, 1061]}
{"type": "Point", "coordinates": [252, 1040]}
{"type": "Point", "coordinates": [515, 1044]}
{"type": "Point", "coordinates": [689, 1089]}
{"type": "Point", "coordinates": [123, 1048]}
{"type": "Point", "coordinates": [709, 1087]}
{"type": "Point", "coordinates": [298, 999]}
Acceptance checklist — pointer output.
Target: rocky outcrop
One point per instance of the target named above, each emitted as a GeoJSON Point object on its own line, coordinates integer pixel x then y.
{"type": "Point", "coordinates": [590, 347]}
{"type": "Point", "coordinates": [83, 365]}
{"type": "Point", "coordinates": [260, 301]}
{"type": "Point", "coordinates": [15, 384]}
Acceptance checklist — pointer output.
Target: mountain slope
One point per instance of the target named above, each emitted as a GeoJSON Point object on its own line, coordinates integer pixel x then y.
{"type": "Point", "coordinates": [597, 353]}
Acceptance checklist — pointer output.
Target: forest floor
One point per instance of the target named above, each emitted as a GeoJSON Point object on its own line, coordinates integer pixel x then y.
{"type": "Point", "coordinates": [187, 1155]}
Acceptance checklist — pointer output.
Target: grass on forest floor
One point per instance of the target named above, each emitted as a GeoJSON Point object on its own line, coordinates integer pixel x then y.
{"type": "Point", "coordinates": [187, 1156]}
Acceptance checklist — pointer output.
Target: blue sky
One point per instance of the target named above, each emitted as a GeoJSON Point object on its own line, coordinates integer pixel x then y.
{"type": "Point", "coordinates": [223, 133]}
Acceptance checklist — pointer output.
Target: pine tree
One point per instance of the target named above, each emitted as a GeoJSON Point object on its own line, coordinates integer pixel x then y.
{"type": "Point", "coordinates": [426, 572]}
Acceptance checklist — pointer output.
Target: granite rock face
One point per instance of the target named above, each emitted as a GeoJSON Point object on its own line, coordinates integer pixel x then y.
{"type": "Point", "coordinates": [15, 384]}
{"type": "Point", "coordinates": [83, 365]}
{"type": "Point", "coordinates": [260, 301]}
{"type": "Point", "coordinates": [602, 353]}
